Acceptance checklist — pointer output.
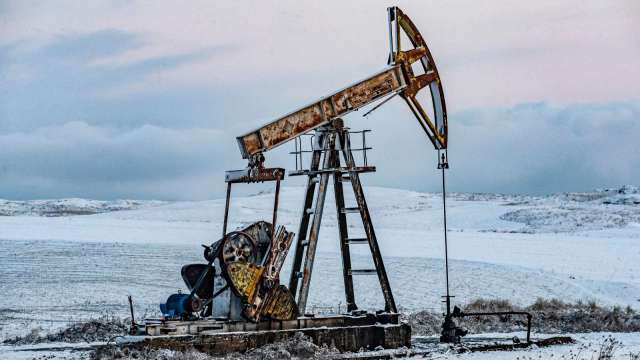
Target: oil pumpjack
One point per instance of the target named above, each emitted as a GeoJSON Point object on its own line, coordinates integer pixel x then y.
{"type": "Point", "coordinates": [239, 287]}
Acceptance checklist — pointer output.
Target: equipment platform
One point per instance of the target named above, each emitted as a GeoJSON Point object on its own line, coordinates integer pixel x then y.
{"type": "Point", "coordinates": [216, 337]}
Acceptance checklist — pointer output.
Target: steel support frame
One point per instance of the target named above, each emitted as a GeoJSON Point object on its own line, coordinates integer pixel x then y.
{"type": "Point", "coordinates": [333, 140]}
{"type": "Point", "coordinates": [312, 242]}
{"type": "Point", "coordinates": [306, 214]}
{"type": "Point", "coordinates": [390, 305]}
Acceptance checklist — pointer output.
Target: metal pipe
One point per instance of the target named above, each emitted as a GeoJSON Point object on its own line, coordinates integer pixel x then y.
{"type": "Point", "coordinates": [133, 320]}
{"type": "Point", "coordinates": [275, 210]}
{"type": "Point", "coordinates": [364, 147]}
{"type": "Point", "coordinates": [499, 313]}
{"type": "Point", "coordinates": [380, 104]}
{"type": "Point", "coordinates": [226, 210]}
{"type": "Point", "coordinates": [443, 165]}
{"type": "Point", "coordinates": [295, 151]}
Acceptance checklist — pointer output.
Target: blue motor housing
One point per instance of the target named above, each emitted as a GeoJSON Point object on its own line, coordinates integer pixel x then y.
{"type": "Point", "coordinates": [180, 306]}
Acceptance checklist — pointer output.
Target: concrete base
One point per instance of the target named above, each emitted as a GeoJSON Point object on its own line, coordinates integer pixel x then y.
{"type": "Point", "coordinates": [344, 332]}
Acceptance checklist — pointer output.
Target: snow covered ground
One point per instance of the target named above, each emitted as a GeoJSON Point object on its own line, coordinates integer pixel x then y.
{"type": "Point", "coordinates": [587, 347]}
{"type": "Point", "coordinates": [58, 268]}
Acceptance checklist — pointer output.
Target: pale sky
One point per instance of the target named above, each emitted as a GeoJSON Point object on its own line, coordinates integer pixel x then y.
{"type": "Point", "coordinates": [137, 99]}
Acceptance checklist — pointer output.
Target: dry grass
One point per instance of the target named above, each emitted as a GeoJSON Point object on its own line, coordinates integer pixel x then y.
{"type": "Point", "coordinates": [607, 349]}
{"type": "Point", "coordinates": [549, 316]}
{"type": "Point", "coordinates": [99, 329]}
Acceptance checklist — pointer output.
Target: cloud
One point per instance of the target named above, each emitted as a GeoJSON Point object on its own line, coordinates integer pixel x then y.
{"type": "Point", "coordinates": [77, 159]}
{"type": "Point", "coordinates": [542, 148]}
{"type": "Point", "coordinates": [54, 83]}
{"type": "Point", "coordinates": [498, 55]}
{"type": "Point", "coordinates": [531, 148]}
{"type": "Point", "coordinates": [167, 73]}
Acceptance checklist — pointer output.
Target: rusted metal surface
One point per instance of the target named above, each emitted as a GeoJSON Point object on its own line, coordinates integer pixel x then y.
{"type": "Point", "coordinates": [245, 277]}
{"type": "Point", "coordinates": [254, 174]}
{"type": "Point", "coordinates": [273, 300]}
{"type": "Point", "coordinates": [257, 284]}
{"type": "Point", "coordinates": [279, 250]}
{"type": "Point", "coordinates": [279, 305]}
{"type": "Point", "coordinates": [321, 112]}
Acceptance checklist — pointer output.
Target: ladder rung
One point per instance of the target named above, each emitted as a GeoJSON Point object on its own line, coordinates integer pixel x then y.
{"type": "Point", "coordinates": [358, 241]}
{"type": "Point", "coordinates": [350, 210]}
{"type": "Point", "coordinates": [362, 271]}
{"type": "Point", "coordinates": [346, 178]}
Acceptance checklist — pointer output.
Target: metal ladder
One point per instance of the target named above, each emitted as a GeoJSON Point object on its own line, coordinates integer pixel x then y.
{"type": "Point", "coordinates": [330, 142]}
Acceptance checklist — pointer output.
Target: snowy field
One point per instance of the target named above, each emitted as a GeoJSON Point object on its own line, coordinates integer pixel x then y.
{"type": "Point", "coordinates": [68, 260]}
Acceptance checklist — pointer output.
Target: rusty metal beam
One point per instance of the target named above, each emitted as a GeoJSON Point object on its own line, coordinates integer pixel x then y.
{"type": "Point", "coordinates": [322, 112]}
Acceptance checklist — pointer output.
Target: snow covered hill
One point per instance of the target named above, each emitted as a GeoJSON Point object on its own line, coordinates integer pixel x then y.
{"type": "Point", "coordinates": [69, 207]}
{"type": "Point", "coordinates": [566, 212]}
{"type": "Point", "coordinates": [601, 209]}
{"type": "Point", "coordinates": [570, 246]}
